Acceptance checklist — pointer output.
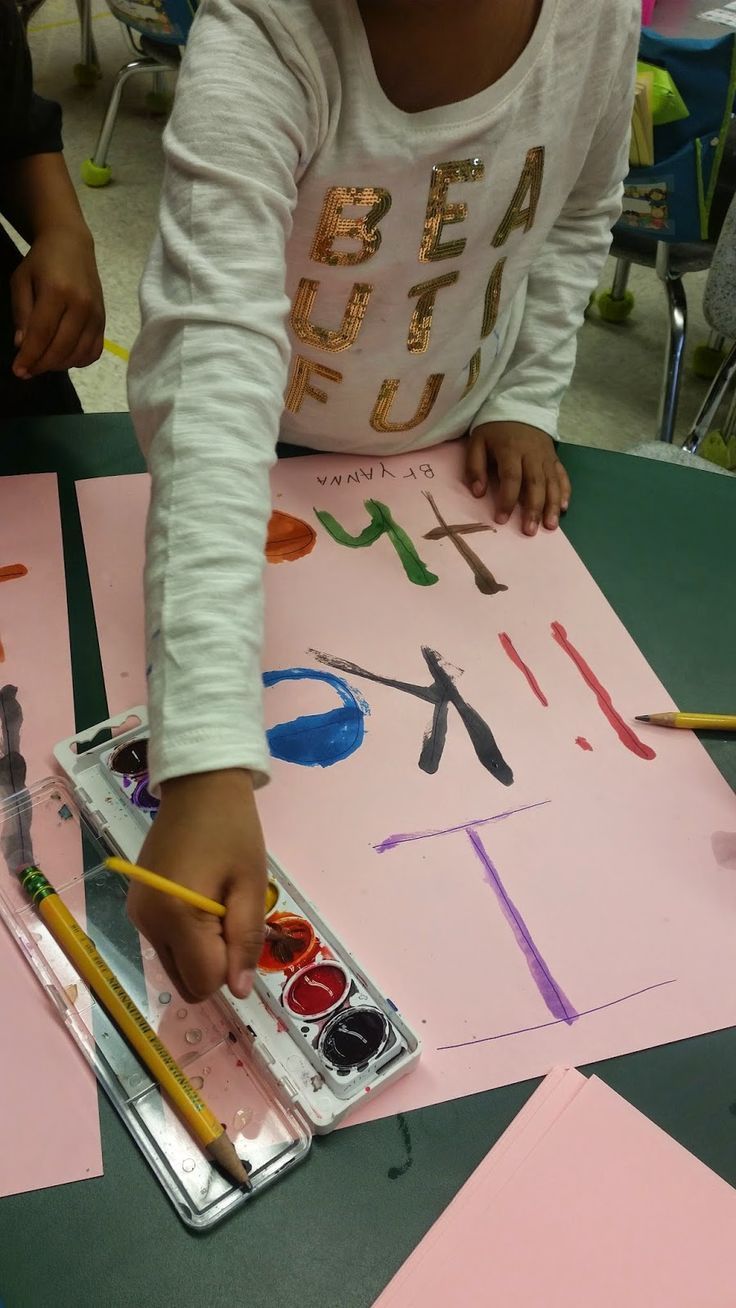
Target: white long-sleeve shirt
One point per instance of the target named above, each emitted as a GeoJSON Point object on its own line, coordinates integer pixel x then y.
{"type": "Point", "coordinates": [334, 271]}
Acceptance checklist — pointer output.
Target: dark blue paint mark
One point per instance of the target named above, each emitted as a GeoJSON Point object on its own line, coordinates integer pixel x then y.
{"type": "Point", "coordinates": [318, 739]}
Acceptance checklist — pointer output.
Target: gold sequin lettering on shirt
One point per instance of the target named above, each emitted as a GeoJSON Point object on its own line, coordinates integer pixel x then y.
{"type": "Point", "coordinates": [492, 300]}
{"type": "Point", "coordinates": [523, 208]}
{"type": "Point", "coordinates": [387, 395]}
{"type": "Point", "coordinates": [440, 213]}
{"type": "Point", "coordinates": [473, 372]}
{"type": "Point", "coordinates": [421, 319]}
{"type": "Point", "coordinates": [332, 226]}
{"type": "Point", "coordinates": [325, 338]}
{"type": "Point", "coordinates": [300, 384]}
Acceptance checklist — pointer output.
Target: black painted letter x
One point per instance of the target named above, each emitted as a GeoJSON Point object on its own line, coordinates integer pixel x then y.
{"type": "Point", "coordinates": [441, 693]}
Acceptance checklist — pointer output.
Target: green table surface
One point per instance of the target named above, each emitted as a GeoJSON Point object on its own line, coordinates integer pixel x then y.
{"type": "Point", "coordinates": [661, 542]}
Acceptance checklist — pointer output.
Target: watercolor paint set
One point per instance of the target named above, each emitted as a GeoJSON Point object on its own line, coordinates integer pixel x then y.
{"type": "Point", "coordinates": [315, 1036]}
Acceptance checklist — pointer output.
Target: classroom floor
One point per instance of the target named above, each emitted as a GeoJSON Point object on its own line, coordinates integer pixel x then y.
{"type": "Point", "coordinates": [613, 399]}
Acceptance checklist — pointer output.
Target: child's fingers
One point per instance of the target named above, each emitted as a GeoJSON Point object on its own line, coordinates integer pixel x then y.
{"type": "Point", "coordinates": [21, 297]}
{"type": "Point", "coordinates": [62, 348]}
{"type": "Point", "coordinates": [244, 932]}
{"type": "Point", "coordinates": [510, 469]}
{"type": "Point", "coordinates": [47, 312]}
{"type": "Point", "coordinates": [167, 959]}
{"type": "Point", "coordinates": [198, 949]}
{"type": "Point", "coordinates": [476, 465]}
{"type": "Point", "coordinates": [565, 487]}
{"type": "Point", "coordinates": [553, 499]}
{"type": "Point", "coordinates": [188, 942]}
{"type": "Point", "coordinates": [88, 348]}
{"type": "Point", "coordinates": [534, 493]}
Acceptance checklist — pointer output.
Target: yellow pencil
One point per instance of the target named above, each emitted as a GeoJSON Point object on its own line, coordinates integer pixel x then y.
{"type": "Point", "coordinates": [692, 721]}
{"type": "Point", "coordinates": [81, 951]}
{"type": "Point", "coordinates": [177, 891]}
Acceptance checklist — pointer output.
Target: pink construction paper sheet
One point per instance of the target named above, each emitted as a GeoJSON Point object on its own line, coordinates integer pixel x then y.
{"type": "Point", "coordinates": [582, 911]}
{"type": "Point", "coordinates": [583, 1201]}
{"type": "Point", "coordinates": [48, 1094]}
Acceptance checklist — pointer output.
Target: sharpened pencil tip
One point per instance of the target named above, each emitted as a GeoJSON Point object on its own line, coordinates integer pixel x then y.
{"type": "Point", "coordinates": [644, 717]}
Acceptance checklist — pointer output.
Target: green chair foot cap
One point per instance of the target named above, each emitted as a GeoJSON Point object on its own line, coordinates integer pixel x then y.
{"type": "Point", "coordinates": [87, 74]}
{"type": "Point", "coordinates": [615, 310]}
{"type": "Point", "coordinates": [707, 361]}
{"type": "Point", "coordinates": [95, 174]}
{"type": "Point", "coordinates": [715, 450]}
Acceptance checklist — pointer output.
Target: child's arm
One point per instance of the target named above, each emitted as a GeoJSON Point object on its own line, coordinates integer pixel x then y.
{"type": "Point", "coordinates": [206, 388]}
{"type": "Point", "coordinates": [514, 427]}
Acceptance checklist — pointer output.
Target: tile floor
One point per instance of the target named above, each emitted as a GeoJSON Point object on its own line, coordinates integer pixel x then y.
{"type": "Point", "coordinates": [613, 398]}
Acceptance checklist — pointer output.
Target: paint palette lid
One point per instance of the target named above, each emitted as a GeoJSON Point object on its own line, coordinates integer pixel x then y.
{"type": "Point", "coordinates": [43, 825]}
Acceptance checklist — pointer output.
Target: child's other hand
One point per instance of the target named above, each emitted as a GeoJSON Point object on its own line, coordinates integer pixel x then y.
{"type": "Point", "coordinates": [528, 470]}
{"type": "Point", "coordinates": [206, 835]}
{"type": "Point", "coordinates": [58, 309]}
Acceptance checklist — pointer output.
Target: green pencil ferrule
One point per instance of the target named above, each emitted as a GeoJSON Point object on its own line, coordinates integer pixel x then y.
{"type": "Point", "coordinates": [35, 884]}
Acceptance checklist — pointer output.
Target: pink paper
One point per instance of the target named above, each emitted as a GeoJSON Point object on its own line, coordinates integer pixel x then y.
{"type": "Point", "coordinates": [604, 1208]}
{"type": "Point", "coordinates": [580, 912]}
{"type": "Point", "coordinates": [48, 1094]}
{"type": "Point", "coordinates": [647, 9]}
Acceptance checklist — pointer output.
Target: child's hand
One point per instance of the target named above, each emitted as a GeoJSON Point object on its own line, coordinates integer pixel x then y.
{"type": "Point", "coordinates": [58, 310]}
{"type": "Point", "coordinates": [528, 472]}
{"type": "Point", "coordinates": [206, 835]}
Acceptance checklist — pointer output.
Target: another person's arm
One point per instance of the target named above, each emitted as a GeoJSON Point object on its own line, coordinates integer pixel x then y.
{"type": "Point", "coordinates": [513, 431]}
{"type": "Point", "coordinates": [58, 307]}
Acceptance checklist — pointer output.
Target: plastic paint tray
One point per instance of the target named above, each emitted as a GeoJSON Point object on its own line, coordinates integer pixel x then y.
{"type": "Point", "coordinates": [246, 1057]}
{"type": "Point", "coordinates": [215, 1050]}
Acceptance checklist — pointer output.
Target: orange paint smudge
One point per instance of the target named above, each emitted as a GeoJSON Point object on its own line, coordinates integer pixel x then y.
{"type": "Point", "coordinates": [288, 538]}
{"type": "Point", "coordinates": [12, 570]}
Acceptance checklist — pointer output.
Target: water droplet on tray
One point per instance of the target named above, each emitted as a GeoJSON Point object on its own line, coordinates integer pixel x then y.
{"type": "Point", "coordinates": [196, 1082]}
{"type": "Point", "coordinates": [188, 1165]}
{"type": "Point", "coordinates": [164, 997]}
{"type": "Point", "coordinates": [181, 1012]}
{"type": "Point", "coordinates": [242, 1118]}
{"type": "Point", "coordinates": [206, 1071]}
{"type": "Point", "coordinates": [149, 953]}
{"type": "Point", "coordinates": [193, 1036]}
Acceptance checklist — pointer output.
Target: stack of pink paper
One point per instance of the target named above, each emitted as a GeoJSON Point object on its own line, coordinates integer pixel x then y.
{"type": "Point", "coordinates": [647, 9]}
{"type": "Point", "coordinates": [582, 1201]}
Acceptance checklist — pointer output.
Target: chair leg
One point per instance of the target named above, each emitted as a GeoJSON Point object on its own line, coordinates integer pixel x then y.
{"type": "Point", "coordinates": [677, 300]}
{"type": "Point", "coordinates": [143, 64]}
{"type": "Point", "coordinates": [88, 69]}
{"type": "Point", "coordinates": [620, 279]}
{"type": "Point", "coordinates": [711, 404]}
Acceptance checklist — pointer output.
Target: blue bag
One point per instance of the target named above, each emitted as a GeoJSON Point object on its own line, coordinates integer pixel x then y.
{"type": "Point", "coordinates": [671, 200]}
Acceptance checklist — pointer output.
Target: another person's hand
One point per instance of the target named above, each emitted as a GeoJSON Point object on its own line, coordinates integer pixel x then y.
{"type": "Point", "coordinates": [528, 470]}
{"type": "Point", "coordinates": [206, 835]}
{"type": "Point", "coordinates": [58, 309]}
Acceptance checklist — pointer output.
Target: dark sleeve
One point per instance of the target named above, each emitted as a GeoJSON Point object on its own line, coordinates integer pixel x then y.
{"type": "Point", "coordinates": [28, 123]}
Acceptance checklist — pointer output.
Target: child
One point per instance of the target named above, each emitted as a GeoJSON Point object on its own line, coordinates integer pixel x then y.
{"type": "Point", "coordinates": [380, 226]}
{"type": "Point", "coordinates": [52, 315]}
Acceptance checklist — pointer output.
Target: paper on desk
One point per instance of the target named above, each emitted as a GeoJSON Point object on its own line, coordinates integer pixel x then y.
{"type": "Point", "coordinates": [48, 1094]}
{"type": "Point", "coordinates": [582, 1201]}
{"type": "Point", "coordinates": [579, 912]}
